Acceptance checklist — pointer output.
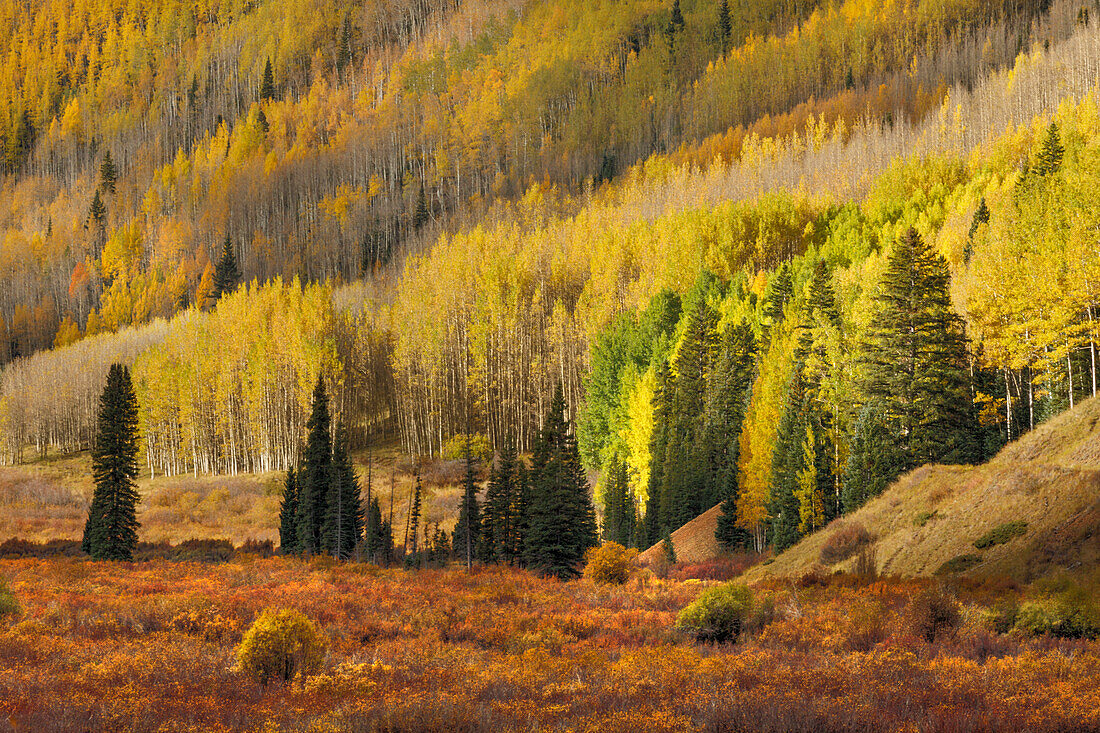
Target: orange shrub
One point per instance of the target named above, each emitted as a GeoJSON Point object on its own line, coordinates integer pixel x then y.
{"type": "Point", "coordinates": [609, 564]}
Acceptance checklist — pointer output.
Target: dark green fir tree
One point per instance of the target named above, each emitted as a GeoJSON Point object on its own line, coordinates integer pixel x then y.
{"type": "Point", "coordinates": [561, 521]}
{"type": "Point", "coordinates": [618, 501]}
{"type": "Point", "coordinates": [226, 273]}
{"type": "Point", "coordinates": [111, 529]}
{"type": "Point", "coordinates": [108, 174]}
{"type": "Point", "coordinates": [343, 525]}
{"type": "Point", "coordinates": [316, 475]}
{"type": "Point", "coordinates": [498, 521]}
{"type": "Point", "coordinates": [288, 515]}
{"type": "Point", "coordinates": [725, 27]}
{"type": "Point", "coordinates": [267, 86]}
{"type": "Point", "coordinates": [467, 532]}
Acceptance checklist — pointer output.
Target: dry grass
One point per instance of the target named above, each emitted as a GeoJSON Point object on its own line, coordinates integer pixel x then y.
{"type": "Point", "coordinates": [1050, 479]}
{"type": "Point", "coordinates": [48, 500]}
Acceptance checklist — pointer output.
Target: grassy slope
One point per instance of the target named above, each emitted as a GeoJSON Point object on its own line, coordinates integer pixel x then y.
{"type": "Point", "coordinates": [1050, 478]}
{"type": "Point", "coordinates": [49, 499]}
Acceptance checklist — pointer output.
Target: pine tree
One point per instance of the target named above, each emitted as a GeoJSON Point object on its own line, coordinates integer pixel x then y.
{"type": "Point", "coordinates": [873, 461]}
{"type": "Point", "coordinates": [414, 519]}
{"type": "Point", "coordinates": [343, 525]}
{"type": "Point", "coordinates": [498, 521]}
{"type": "Point", "coordinates": [981, 216]}
{"type": "Point", "coordinates": [108, 174]}
{"type": "Point", "coordinates": [521, 506]}
{"type": "Point", "coordinates": [788, 460]}
{"type": "Point", "coordinates": [658, 448]}
{"type": "Point", "coordinates": [725, 27]}
{"type": "Point", "coordinates": [316, 475]}
{"type": "Point", "coordinates": [917, 360]}
{"type": "Point", "coordinates": [1049, 158]}
{"type": "Point", "coordinates": [226, 274]}
{"type": "Point", "coordinates": [288, 515]}
{"type": "Point", "coordinates": [421, 214]}
{"type": "Point", "coordinates": [618, 513]}
{"type": "Point", "coordinates": [561, 521]}
{"type": "Point", "coordinates": [111, 529]}
{"type": "Point", "coordinates": [378, 543]}
{"type": "Point", "coordinates": [97, 214]}
{"type": "Point", "coordinates": [267, 86]}
{"type": "Point", "coordinates": [343, 53]}
{"type": "Point", "coordinates": [467, 533]}
{"type": "Point", "coordinates": [779, 294]}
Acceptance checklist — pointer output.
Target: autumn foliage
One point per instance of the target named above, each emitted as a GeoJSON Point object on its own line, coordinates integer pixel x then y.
{"type": "Point", "coordinates": [281, 644]}
{"type": "Point", "coordinates": [609, 564]}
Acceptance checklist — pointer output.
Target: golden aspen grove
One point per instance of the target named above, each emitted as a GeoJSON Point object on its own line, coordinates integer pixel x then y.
{"type": "Point", "coordinates": [481, 365]}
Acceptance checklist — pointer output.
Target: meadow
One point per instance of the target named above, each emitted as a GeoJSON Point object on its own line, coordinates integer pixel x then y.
{"type": "Point", "coordinates": [151, 647]}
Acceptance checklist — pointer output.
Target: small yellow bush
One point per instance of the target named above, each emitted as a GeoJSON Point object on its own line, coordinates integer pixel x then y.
{"type": "Point", "coordinates": [610, 563]}
{"type": "Point", "coordinates": [280, 644]}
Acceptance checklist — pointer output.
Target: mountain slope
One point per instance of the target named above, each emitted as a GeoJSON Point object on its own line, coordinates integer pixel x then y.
{"type": "Point", "coordinates": [1049, 479]}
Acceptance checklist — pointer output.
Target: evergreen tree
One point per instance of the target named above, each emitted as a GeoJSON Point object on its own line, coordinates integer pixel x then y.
{"type": "Point", "coordinates": [779, 294]}
{"type": "Point", "coordinates": [658, 445]}
{"type": "Point", "coordinates": [378, 543]}
{"type": "Point", "coordinates": [791, 487]}
{"type": "Point", "coordinates": [981, 216]}
{"type": "Point", "coordinates": [561, 521]}
{"type": "Point", "coordinates": [618, 513]}
{"type": "Point", "coordinates": [684, 491]}
{"type": "Point", "coordinates": [917, 360]}
{"type": "Point", "coordinates": [421, 213]}
{"type": "Point", "coordinates": [108, 174]}
{"type": "Point", "coordinates": [498, 522]}
{"type": "Point", "coordinates": [521, 507]}
{"type": "Point", "coordinates": [467, 533]}
{"type": "Point", "coordinates": [288, 516]}
{"type": "Point", "coordinates": [226, 274]}
{"type": "Point", "coordinates": [873, 460]}
{"type": "Point", "coordinates": [316, 475]}
{"type": "Point", "coordinates": [97, 214]}
{"type": "Point", "coordinates": [725, 27]}
{"type": "Point", "coordinates": [343, 53]}
{"type": "Point", "coordinates": [111, 529]}
{"type": "Point", "coordinates": [343, 511]}
{"type": "Point", "coordinates": [267, 86]}
{"type": "Point", "coordinates": [1049, 158]}
{"type": "Point", "coordinates": [414, 519]}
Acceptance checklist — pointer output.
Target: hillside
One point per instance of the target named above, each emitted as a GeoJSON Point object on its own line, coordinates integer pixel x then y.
{"type": "Point", "coordinates": [1050, 479]}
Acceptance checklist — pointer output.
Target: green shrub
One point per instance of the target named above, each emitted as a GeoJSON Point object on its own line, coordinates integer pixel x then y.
{"type": "Point", "coordinates": [280, 644]}
{"type": "Point", "coordinates": [959, 564]}
{"type": "Point", "coordinates": [718, 614]}
{"type": "Point", "coordinates": [1002, 534]}
{"type": "Point", "coordinates": [1069, 615]}
{"type": "Point", "coordinates": [609, 564]}
{"type": "Point", "coordinates": [9, 604]}
{"type": "Point", "coordinates": [480, 449]}
{"type": "Point", "coordinates": [924, 518]}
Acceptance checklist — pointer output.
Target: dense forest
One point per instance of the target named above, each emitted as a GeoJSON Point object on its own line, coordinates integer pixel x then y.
{"type": "Point", "coordinates": [707, 222]}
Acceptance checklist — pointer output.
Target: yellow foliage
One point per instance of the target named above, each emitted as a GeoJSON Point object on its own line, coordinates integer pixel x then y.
{"type": "Point", "coordinates": [281, 644]}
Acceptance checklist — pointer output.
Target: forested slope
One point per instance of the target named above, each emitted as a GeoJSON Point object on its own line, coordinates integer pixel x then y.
{"type": "Point", "coordinates": [325, 139]}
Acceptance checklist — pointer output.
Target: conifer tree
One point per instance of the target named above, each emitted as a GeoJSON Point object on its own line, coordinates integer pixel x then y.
{"type": "Point", "coordinates": [499, 518]}
{"type": "Point", "coordinates": [654, 527]}
{"type": "Point", "coordinates": [414, 519]}
{"type": "Point", "coordinates": [110, 532]}
{"type": "Point", "coordinates": [727, 390]}
{"type": "Point", "coordinates": [343, 53]}
{"type": "Point", "coordinates": [779, 294]}
{"type": "Point", "coordinates": [467, 532]}
{"type": "Point", "coordinates": [872, 460]}
{"type": "Point", "coordinates": [226, 274]}
{"type": "Point", "coordinates": [788, 462]}
{"type": "Point", "coordinates": [618, 513]}
{"type": "Point", "coordinates": [316, 475]}
{"type": "Point", "coordinates": [917, 360]}
{"type": "Point", "coordinates": [343, 512]}
{"type": "Point", "coordinates": [981, 216]}
{"type": "Point", "coordinates": [288, 515]}
{"type": "Point", "coordinates": [108, 174]}
{"type": "Point", "coordinates": [561, 521]}
{"type": "Point", "coordinates": [378, 543]}
{"type": "Point", "coordinates": [1049, 158]}
{"type": "Point", "coordinates": [421, 213]}
{"type": "Point", "coordinates": [725, 27]}
{"type": "Point", "coordinates": [267, 86]}
{"type": "Point", "coordinates": [521, 506]}
{"type": "Point", "coordinates": [97, 214]}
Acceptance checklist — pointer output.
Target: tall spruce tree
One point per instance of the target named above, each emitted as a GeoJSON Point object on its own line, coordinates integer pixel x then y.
{"type": "Point", "coordinates": [725, 27]}
{"type": "Point", "coordinates": [226, 273]}
{"type": "Point", "coordinates": [618, 513]}
{"type": "Point", "coordinates": [421, 215]}
{"type": "Point", "coordinates": [108, 174]}
{"type": "Point", "coordinates": [316, 475]}
{"type": "Point", "coordinates": [414, 519]}
{"type": "Point", "coordinates": [780, 291]}
{"type": "Point", "coordinates": [110, 532]}
{"type": "Point", "coordinates": [267, 86]}
{"type": "Point", "coordinates": [499, 518]}
{"type": "Point", "coordinates": [288, 515]}
{"type": "Point", "coordinates": [561, 521]}
{"type": "Point", "coordinates": [467, 532]}
{"type": "Point", "coordinates": [378, 542]}
{"type": "Point", "coordinates": [658, 445]}
{"type": "Point", "coordinates": [1049, 158]}
{"type": "Point", "coordinates": [873, 459]}
{"type": "Point", "coordinates": [917, 361]}
{"type": "Point", "coordinates": [521, 506]}
{"type": "Point", "coordinates": [343, 525]}
{"type": "Point", "coordinates": [684, 491]}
